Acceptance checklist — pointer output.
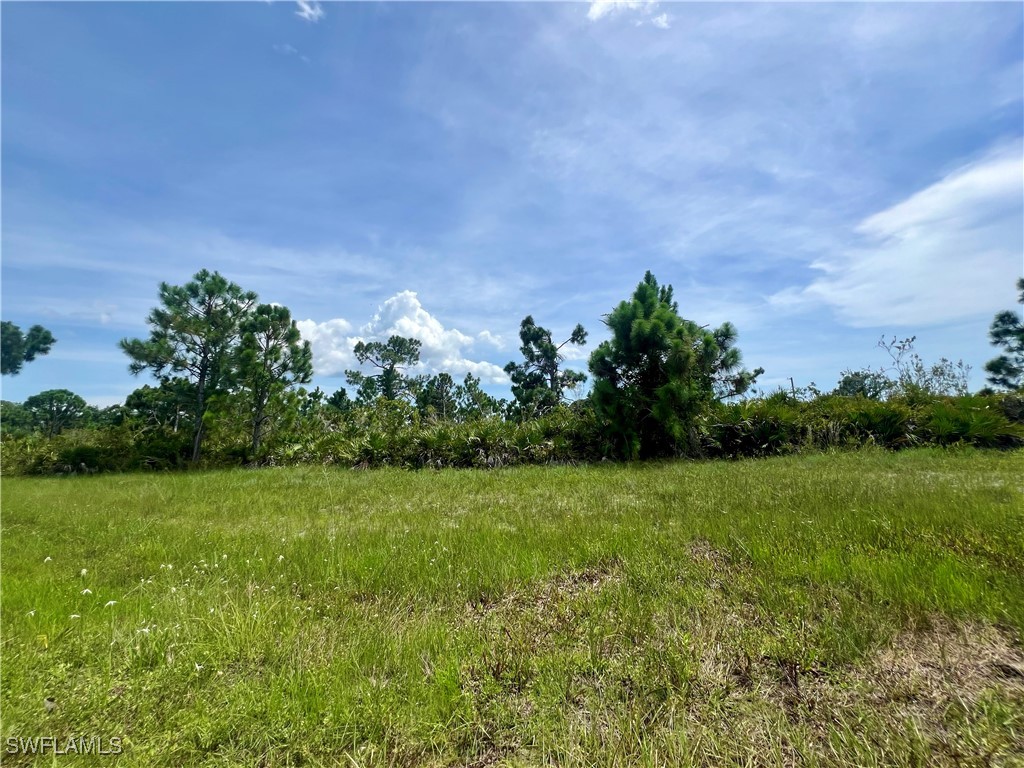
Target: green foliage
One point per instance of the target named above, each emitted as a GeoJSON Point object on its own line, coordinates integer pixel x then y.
{"type": "Point", "coordinates": [55, 410]}
{"type": "Point", "coordinates": [972, 420]}
{"type": "Point", "coordinates": [193, 332]}
{"type": "Point", "coordinates": [85, 451]}
{"type": "Point", "coordinates": [873, 385]}
{"type": "Point", "coordinates": [271, 358]}
{"type": "Point", "coordinates": [340, 401]}
{"type": "Point", "coordinates": [891, 424]}
{"type": "Point", "coordinates": [538, 383]}
{"type": "Point", "coordinates": [1007, 331]}
{"type": "Point", "coordinates": [16, 348]}
{"type": "Point", "coordinates": [15, 419]}
{"type": "Point", "coordinates": [395, 433]}
{"type": "Point", "coordinates": [473, 404]}
{"type": "Point", "coordinates": [168, 406]}
{"type": "Point", "coordinates": [916, 379]}
{"type": "Point", "coordinates": [659, 372]}
{"type": "Point", "coordinates": [436, 399]}
{"type": "Point", "coordinates": [390, 358]}
{"type": "Point", "coordinates": [754, 428]}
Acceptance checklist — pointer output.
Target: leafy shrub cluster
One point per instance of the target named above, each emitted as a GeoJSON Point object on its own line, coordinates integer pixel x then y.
{"type": "Point", "coordinates": [783, 424]}
{"type": "Point", "coordinates": [392, 433]}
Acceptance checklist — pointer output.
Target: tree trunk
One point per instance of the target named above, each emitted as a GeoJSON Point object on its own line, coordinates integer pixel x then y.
{"type": "Point", "coordinates": [257, 432]}
{"type": "Point", "coordinates": [197, 437]}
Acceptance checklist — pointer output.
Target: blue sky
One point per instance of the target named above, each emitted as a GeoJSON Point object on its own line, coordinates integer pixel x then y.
{"type": "Point", "coordinates": [819, 174]}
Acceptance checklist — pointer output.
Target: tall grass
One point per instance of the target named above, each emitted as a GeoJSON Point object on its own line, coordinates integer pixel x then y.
{"type": "Point", "coordinates": [605, 615]}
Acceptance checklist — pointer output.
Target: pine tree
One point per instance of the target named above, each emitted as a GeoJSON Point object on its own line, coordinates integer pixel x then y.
{"type": "Point", "coordinates": [16, 348]}
{"type": "Point", "coordinates": [271, 358]}
{"type": "Point", "coordinates": [390, 358]}
{"type": "Point", "coordinates": [193, 332]}
{"type": "Point", "coordinates": [1007, 331]}
{"type": "Point", "coordinates": [538, 383]}
{"type": "Point", "coordinates": [658, 371]}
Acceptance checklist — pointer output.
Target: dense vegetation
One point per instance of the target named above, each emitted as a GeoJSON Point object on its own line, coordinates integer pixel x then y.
{"type": "Point", "coordinates": [229, 373]}
{"type": "Point", "coordinates": [855, 609]}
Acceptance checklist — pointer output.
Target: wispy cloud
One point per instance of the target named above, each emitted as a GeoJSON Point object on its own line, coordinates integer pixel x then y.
{"type": "Point", "coordinates": [310, 10]}
{"type": "Point", "coordinates": [601, 8]}
{"type": "Point", "coordinates": [290, 50]}
{"type": "Point", "coordinates": [939, 255]}
{"type": "Point", "coordinates": [444, 349]}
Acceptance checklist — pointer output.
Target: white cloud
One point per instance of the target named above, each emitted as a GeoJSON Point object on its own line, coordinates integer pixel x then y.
{"type": "Point", "coordinates": [490, 338]}
{"type": "Point", "coordinates": [601, 8]}
{"type": "Point", "coordinates": [947, 252]}
{"type": "Point", "coordinates": [332, 345]}
{"type": "Point", "coordinates": [310, 10]}
{"type": "Point", "coordinates": [286, 49]}
{"type": "Point", "coordinates": [444, 349]}
{"type": "Point", "coordinates": [661, 21]}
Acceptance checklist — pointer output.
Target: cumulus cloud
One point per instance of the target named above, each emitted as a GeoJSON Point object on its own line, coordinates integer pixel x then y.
{"type": "Point", "coordinates": [599, 9]}
{"type": "Point", "coordinates": [947, 252]}
{"type": "Point", "coordinates": [496, 341]}
{"type": "Point", "coordinates": [310, 10]}
{"type": "Point", "coordinates": [332, 345]}
{"type": "Point", "coordinates": [444, 349]}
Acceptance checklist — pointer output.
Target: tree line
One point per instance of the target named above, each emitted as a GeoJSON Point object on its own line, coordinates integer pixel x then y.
{"type": "Point", "coordinates": [230, 366]}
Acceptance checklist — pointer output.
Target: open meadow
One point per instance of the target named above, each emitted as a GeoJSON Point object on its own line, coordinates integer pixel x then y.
{"type": "Point", "coordinates": [859, 609]}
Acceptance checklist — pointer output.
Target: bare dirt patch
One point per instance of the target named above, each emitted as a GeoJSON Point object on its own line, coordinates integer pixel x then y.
{"type": "Point", "coordinates": [537, 599]}
{"type": "Point", "coordinates": [927, 671]}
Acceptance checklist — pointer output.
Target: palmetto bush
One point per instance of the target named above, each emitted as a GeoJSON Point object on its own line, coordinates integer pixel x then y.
{"type": "Point", "coordinates": [392, 434]}
{"type": "Point", "coordinates": [891, 423]}
{"type": "Point", "coordinates": [972, 420]}
{"type": "Point", "coordinates": [766, 427]}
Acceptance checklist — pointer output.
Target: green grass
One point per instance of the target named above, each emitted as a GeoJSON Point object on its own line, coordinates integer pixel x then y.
{"type": "Point", "coordinates": [852, 609]}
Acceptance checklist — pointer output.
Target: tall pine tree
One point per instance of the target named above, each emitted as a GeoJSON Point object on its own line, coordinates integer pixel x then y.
{"type": "Point", "coordinates": [193, 333]}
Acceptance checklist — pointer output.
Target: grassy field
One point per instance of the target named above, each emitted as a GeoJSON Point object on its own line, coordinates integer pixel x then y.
{"type": "Point", "coordinates": [853, 609]}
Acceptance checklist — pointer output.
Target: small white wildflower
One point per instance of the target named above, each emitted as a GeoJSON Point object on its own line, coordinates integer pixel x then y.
{"type": "Point", "coordinates": [75, 616]}
{"type": "Point", "coordinates": [110, 603]}
{"type": "Point", "coordinates": [83, 572]}
{"type": "Point", "coordinates": [280, 558]}
{"type": "Point", "coordinates": [173, 590]}
{"type": "Point", "coordinates": [32, 612]}
{"type": "Point", "coordinates": [199, 667]}
{"type": "Point", "coordinates": [220, 673]}
{"type": "Point", "coordinates": [86, 591]}
{"type": "Point", "coordinates": [144, 629]}
{"type": "Point", "coordinates": [223, 557]}
{"type": "Point", "coordinates": [48, 560]}
{"type": "Point", "coordinates": [211, 610]}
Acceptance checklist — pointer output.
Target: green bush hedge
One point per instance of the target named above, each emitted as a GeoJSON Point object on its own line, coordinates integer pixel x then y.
{"type": "Point", "coordinates": [393, 434]}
